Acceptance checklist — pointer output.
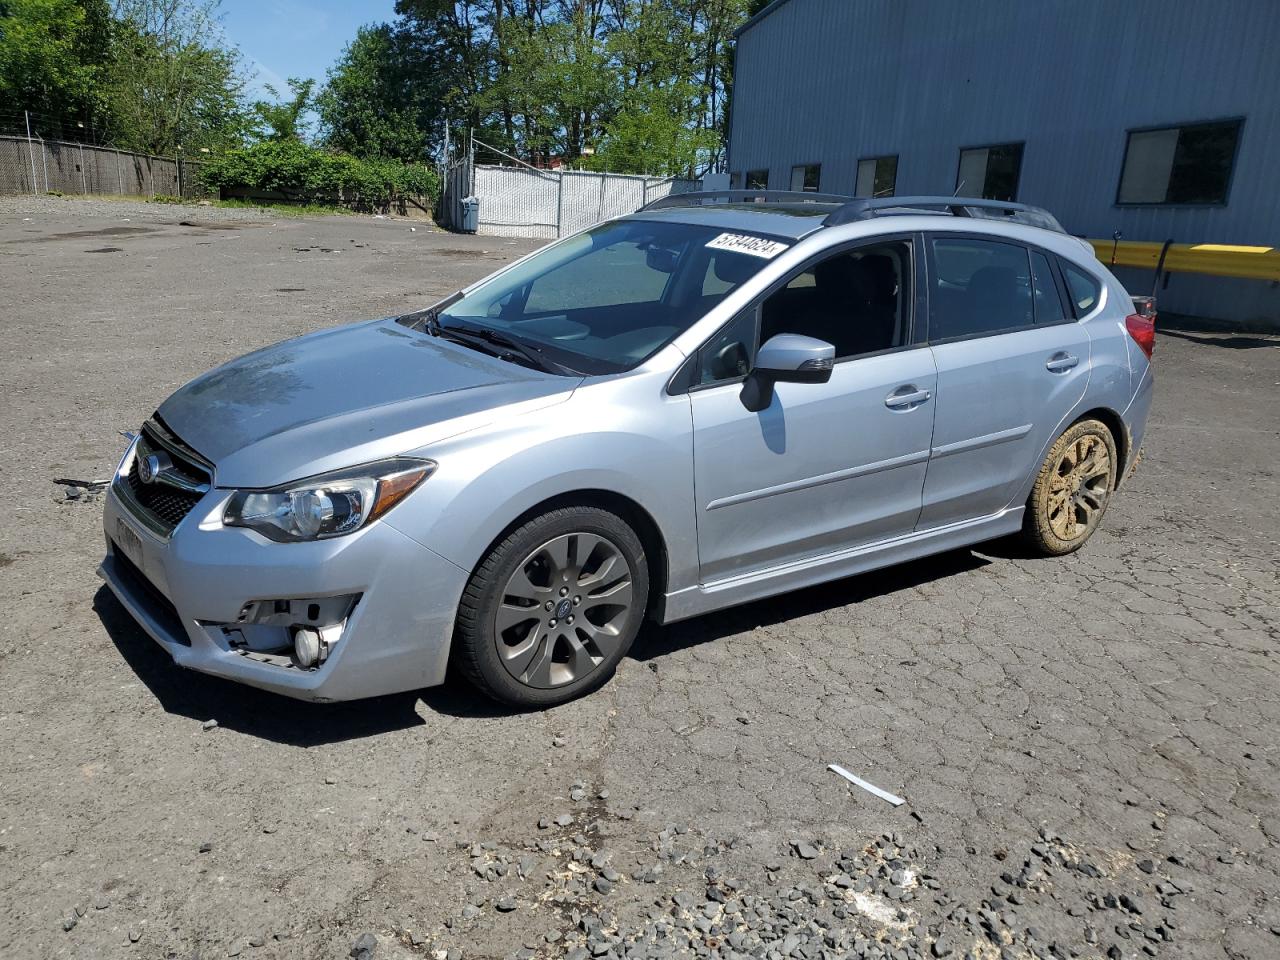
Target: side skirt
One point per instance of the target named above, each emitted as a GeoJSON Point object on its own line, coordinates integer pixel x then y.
{"type": "Point", "coordinates": [730, 591]}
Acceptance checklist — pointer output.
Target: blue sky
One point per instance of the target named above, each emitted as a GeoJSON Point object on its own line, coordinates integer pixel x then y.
{"type": "Point", "coordinates": [296, 38]}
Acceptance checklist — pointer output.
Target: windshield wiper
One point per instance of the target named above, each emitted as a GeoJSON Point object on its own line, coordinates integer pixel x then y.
{"type": "Point", "coordinates": [499, 344]}
{"type": "Point", "coordinates": [424, 319]}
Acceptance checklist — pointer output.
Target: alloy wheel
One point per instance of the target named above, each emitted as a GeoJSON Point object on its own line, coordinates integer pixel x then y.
{"type": "Point", "coordinates": [1079, 489]}
{"type": "Point", "coordinates": [564, 610]}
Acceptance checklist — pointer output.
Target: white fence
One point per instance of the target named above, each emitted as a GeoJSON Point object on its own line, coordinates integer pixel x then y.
{"type": "Point", "coordinates": [547, 204]}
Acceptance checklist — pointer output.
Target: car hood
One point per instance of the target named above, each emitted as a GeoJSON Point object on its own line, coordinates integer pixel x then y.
{"type": "Point", "coordinates": [345, 396]}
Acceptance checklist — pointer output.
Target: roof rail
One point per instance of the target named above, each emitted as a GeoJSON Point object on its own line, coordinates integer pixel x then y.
{"type": "Point", "coordinates": [865, 209]}
{"type": "Point", "coordinates": [696, 198]}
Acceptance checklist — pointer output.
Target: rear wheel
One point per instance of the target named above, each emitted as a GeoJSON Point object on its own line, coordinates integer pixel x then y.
{"type": "Point", "coordinates": [1072, 490]}
{"type": "Point", "coordinates": [555, 606]}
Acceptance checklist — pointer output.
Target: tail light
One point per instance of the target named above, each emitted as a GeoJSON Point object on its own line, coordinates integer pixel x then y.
{"type": "Point", "coordinates": [1141, 324]}
{"type": "Point", "coordinates": [1143, 331]}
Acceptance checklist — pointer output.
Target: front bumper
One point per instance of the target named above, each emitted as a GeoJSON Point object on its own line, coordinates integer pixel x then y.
{"type": "Point", "coordinates": [188, 590]}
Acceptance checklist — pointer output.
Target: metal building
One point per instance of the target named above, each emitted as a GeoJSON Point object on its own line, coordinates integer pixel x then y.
{"type": "Point", "coordinates": [1159, 119]}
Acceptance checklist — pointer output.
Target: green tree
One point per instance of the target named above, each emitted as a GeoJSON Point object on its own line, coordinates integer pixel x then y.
{"type": "Point", "coordinates": [635, 85]}
{"type": "Point", "coordinates": [373, 104]}
{"type": "Point", "coordinates": [282, 120]}
{"type": "Point", "coordinates": [449, 47]}
{"type": "Point", "coordinates": [174, 79]}
{"type": "Point", "coordinates": [674, 62]}
{"type": "Point", "coordinates": [53, 55]}
{"type": "Point", "coordinates": [553, 92]}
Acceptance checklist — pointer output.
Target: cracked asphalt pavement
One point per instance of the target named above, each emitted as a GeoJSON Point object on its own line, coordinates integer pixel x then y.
{"type": "Point", "coordinates": [1088, 746]}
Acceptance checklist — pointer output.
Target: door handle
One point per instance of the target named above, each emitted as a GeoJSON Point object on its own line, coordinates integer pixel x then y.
{"type": "Point", "coordinates": [898, 400]}
{"type": "Point", "coordinates": [1061, 363]}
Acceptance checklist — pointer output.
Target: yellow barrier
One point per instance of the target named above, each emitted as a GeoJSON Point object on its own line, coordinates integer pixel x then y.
{"type": "Point", "coordinates": [1215, 259]}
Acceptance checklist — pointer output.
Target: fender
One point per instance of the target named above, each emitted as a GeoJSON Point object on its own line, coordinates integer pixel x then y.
{"type": "Point", "coordinates": [490, 477]}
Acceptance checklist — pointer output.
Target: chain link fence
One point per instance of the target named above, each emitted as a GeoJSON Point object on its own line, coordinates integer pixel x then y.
{"type": "Point", "coordinates": [547, 204]}
{"type": "Point", "coordinates": [38, 166]}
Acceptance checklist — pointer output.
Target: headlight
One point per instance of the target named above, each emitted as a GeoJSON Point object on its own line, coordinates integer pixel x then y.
{"type": "Point", "coordinates": [330, 505]}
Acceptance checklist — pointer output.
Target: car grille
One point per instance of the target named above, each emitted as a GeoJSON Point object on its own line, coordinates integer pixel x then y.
{"type": "Point", "coordinates": [165, 502]}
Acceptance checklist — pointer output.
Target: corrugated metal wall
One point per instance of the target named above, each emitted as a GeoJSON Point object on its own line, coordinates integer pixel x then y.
{"type": "Point", "coordinates": [832, 81]}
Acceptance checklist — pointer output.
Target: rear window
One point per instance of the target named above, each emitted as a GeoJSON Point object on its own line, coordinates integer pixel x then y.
{"type": "Point", "coordinates": [978, 288]}
{"type": "Point", "coordinates": [1048, 302]}
{"type": "Point", "coordinates": [1084, 289]}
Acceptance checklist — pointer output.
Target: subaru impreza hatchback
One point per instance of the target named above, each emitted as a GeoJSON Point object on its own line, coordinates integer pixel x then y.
{"type": "Point", "coordinates": [716, 399]}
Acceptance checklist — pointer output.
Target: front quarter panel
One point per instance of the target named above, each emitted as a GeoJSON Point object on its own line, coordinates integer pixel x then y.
{"type": "Point", "coordinates": [623, 435]}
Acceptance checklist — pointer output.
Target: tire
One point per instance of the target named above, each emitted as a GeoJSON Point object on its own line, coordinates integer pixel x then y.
{"type": "Point", "coordinates": [549, 613]}
{"type": "Point", "coordinates": [1072, 490]}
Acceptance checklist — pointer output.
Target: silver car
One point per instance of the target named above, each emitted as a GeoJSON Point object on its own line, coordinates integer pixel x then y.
{"type": "Point", "coordinates": [719, 398]}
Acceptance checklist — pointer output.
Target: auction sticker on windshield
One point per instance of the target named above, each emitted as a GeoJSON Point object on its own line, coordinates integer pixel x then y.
{"type": "Point", "coordinates": [752, 246]}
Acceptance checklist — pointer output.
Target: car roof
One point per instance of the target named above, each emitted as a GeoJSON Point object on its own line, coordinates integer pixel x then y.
{"type": "Point", "coordinates": [797, 220]}
{"type": "Point", "coordinates": [790, 220]}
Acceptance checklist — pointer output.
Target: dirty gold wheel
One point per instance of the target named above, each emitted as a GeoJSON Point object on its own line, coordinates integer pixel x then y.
{"type": "Point", "coordinates": [1072, 489]}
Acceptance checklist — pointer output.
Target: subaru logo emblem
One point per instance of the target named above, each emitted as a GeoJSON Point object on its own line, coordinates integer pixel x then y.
{"type": "Point", "coordinates": [151, 466]}
{"type": "Point", "coordinates": [563, 608]}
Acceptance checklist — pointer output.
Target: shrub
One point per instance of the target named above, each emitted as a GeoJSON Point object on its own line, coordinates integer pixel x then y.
{"type": "Point", "coordinates": [309, 174]}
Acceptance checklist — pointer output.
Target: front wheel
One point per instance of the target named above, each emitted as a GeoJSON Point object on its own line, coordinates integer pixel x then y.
{"type": "Point", "coordinates": [1072, 490]}
{"type": "Point", "coordinates": [553, 608]}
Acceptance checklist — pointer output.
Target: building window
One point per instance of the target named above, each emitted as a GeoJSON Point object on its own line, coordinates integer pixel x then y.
{"type": "Point", "coordinates": [757, 179]}
{"type": "Point", "coordinates": [1189, 164]}
{"type": "Point", "coordinates": [735, 181]}
{"type": "Point", "coordinates": [806, 178]}
{"type": "Point", "coordinates": [877, 177]}
{"type": "Point", "coordinates": [991, 172]}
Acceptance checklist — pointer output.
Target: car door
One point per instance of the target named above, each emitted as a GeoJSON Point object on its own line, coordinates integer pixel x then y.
{"type": "Point", "coordinates": [1011, 365]}
{"type": "Point", "coordinates": [824, 466]}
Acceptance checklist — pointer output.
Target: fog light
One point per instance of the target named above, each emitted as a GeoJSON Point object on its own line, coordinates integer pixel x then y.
{"type": "Point", "coordinates": [312, 646]}
{"type": "Point", "coordinates": [306, 647]}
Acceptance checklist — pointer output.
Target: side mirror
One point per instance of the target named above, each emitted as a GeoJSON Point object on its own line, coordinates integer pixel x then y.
{"type": "Point", "coordinates": [786, 358]}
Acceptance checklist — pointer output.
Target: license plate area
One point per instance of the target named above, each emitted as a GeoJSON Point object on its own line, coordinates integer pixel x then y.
{"type": "Point", "coordinates": [129, 542]}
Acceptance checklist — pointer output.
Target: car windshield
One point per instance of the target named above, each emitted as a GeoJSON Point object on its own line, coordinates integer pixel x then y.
{"type": "Point", "coordinates": [607, 299]}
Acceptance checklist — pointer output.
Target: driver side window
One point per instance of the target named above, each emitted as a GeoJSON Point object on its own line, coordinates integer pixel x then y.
{"type": "Point", "coordinates": [858, 300]}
